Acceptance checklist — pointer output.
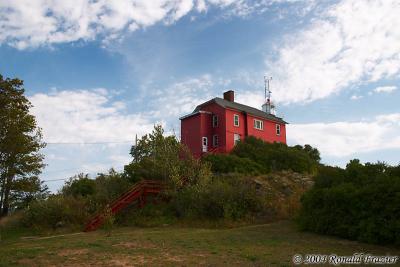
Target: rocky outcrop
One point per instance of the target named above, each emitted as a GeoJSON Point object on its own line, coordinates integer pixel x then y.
{"type": "Point", "coordinates": [282, 192]}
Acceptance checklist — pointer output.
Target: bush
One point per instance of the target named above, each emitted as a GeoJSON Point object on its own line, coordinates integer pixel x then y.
{"type": "Point", "coordinates": [108, 220]}
{"type": "Point", "coordinates": [254, 156]}
{"type": "Point", "coordinates": [56, 211]}
{"type": "Point", "coordinates": [361, 202]}
{"type": "Point", "coordinates": [108, 187]}
{"type": "Point", "coordinates": [80, 198]}
{"type": "Point", "coordinates": [79, 185]}
{"type": "Point", "coordinates": [151, 215]}
{"type": "Point", "coordinates": [225, 163]}
{"type": "Point", "coordinates": [230, 197]}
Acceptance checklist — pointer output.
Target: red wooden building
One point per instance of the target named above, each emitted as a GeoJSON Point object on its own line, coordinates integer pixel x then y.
{"type": "Point", "coordinates": [218, 124]}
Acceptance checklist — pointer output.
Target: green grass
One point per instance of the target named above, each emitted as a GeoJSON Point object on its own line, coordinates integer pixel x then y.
{"type": "Point", "coordinates": [259, 245]}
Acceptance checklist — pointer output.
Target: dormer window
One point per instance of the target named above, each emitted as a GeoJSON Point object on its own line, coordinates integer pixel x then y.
{"type": "Point", "coordinates": [215, 121]}
{"type": "Point", "coordinates": [278, 129]}
{"type": "Point", "coordinates": [236, 120]}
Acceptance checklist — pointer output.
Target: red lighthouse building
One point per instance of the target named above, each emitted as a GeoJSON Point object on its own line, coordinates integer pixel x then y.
{"type": "Point", "coordinates": [218, 124]}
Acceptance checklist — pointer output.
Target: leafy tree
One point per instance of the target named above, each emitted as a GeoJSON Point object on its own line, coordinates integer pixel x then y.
{"type": "Point", "coordinates": [160, 157]}
{"type": "Point", "coordinates": [79, 185]}
{"type": "Point", "coordinates": [27, 189]}
{"type": "Point", "coordinates": [110, 186]}
{"type": "Point", "coordinates": [20, 142]}
{"type": "Point", "coordinates": [153, 156]}
{"type": "Point", "coordinates": [312, 152]}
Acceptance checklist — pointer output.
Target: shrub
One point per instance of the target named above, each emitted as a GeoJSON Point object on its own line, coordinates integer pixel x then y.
{"type": "Point", "coordinates": [230, 197]}
{"type": "Point", "coordinates": [278, 156]}
{"type": "Point", "coordinates": [55, 212]}
{"type": "Point", "coordinates": [108, 220]}
{"type": "Point", "coordinates": [153, 214]}
{"type": "Point", "coordinates": [225, 163]}
{"type": "Point", "coordinates": [108, 186]}
{"type": "Point", "coordinates": [361, 202]}
{"type": "Point", "coordinates": [79, 185]}
{"type": "Point", "coordinates": [80, 198]}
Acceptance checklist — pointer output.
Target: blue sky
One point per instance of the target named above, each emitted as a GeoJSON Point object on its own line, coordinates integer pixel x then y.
{"type": "Point", "coordinates": [104, 71]}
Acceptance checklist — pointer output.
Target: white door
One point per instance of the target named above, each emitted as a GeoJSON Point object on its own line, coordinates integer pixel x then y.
{"type": "Point", "coordinates": [204, 141]}
{"type": "Point", "coordinates": [236, 138]}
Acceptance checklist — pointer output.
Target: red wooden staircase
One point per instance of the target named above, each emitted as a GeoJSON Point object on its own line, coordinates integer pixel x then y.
{"type": "Point", "coordinates": [137, 192]}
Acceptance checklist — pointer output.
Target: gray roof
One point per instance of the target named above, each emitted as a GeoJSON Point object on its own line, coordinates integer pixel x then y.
{"type": "Point", "coordinates": [240, 107]}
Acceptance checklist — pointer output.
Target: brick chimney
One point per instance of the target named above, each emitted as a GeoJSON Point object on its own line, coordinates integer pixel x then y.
{"type": "Point", "coordinates": [229, 95]}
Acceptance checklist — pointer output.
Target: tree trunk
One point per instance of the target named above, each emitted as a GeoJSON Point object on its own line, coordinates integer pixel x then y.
{"type": "Point", "coordinates": [4, 211]}
{"type": "Point", "coordinates": [1, 200]}
{"type": "Point", "coordinates": [1, 197]}
{"type": "Point", "coordinates": [6, 200]}
{"type": "Point", "coordinates": [3, 183]}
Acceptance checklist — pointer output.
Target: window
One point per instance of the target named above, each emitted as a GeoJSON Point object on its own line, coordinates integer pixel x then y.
{"type": "Point", "coordinates": [236, 120]}
{"type": "Point", "coordinates": [215, 121]}
{"type": "Point", "coordinates": [258, 124]}
{"type": "Point", "coordinates": [215, 140]}
{"type": "Point", "coordinates": [278, 129]}
{"type": "Point", "coordinates": [236, 139]}
{"type": "Point", "coordinates": [204, 144]}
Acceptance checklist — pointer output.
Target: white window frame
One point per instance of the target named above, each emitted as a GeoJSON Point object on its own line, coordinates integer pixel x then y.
{"type": "Point", "coordinates": [204, 144]}
{"type": "Point", "coordinates": [215, 140]}
{"type": "Point", "coordinates": [278, 129]}
{"type": "Point", "coordinates": [234, 120]}
{"type": "Point", "coordinates": [215, 121]}
{"type": "Point", "coordinates": [261, 124]}
{"type": "Point", "coordinates": [236, 138]}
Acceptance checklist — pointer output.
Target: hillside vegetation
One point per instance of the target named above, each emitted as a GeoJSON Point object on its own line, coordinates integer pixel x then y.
{"type": "Point", "coordinates": [361, 202]}
{"type": "Point", "coordinates": [254, 156]}
{"type": "Point", "coordinates": [259, 188]}
{"type": "Point", "coordinates": [257, 182]}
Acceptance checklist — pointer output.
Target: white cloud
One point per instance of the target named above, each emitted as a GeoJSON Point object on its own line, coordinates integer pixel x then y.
{"type": "Point", "coordinates": [86, 116]}
{"type": "Point", "coordinates": [349, 43]}
{"type": "Point", "coordinates": [341, 139]}
{"type": "Point", "coordinates": [385, 89]}
{"type": "Point", "coordinates": [34, 23]}
{"type": "Point", "coordinates": [356, 97]}
{"type": "Point", "coordinates": [180, 98]}
{"type": "Point", "coordinates": [250, 98]}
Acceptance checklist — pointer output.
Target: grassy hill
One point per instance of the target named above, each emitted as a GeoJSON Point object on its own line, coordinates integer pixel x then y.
{"type": "Point", "coordinates": [259, 245]}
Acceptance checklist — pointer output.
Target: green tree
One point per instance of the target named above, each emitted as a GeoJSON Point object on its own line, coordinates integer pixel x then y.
{"type": "Point", "coordinates": [160, 157]}
{"type": "Point", "coordinates": [20, 141]}
{"type": "Point", "coordinates": [312, 152]}
{"type": "Point", "coordinates": [79, 185]}
{"type": "Point", "coordinates": [27, 189]}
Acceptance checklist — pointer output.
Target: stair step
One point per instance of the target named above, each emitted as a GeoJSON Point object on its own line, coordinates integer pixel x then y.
{"type": "Point", "coordinates": [134, 193]}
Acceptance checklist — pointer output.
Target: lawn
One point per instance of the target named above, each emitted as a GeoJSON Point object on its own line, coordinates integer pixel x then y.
{"type": "Point", "coordinates": [260, 245]}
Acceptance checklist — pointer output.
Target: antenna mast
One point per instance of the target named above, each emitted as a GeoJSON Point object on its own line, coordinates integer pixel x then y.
{"type": "Point", "coordinates": [268, 107]}
{"type": "Point", "coordinates": [266, 87]}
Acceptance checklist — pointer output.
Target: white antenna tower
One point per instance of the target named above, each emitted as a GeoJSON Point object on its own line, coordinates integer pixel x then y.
{"type": "Point", "coordinates": [266, 87]}
{"type": "Point", "coordinates": [268, 107]}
